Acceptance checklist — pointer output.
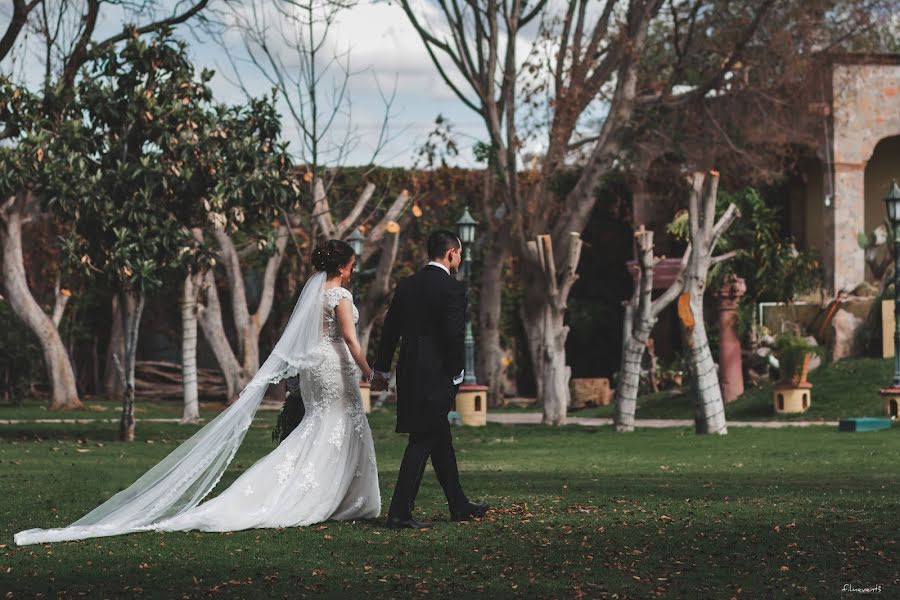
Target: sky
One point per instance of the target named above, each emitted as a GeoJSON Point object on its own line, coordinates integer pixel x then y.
{"type": "Point", "coordinates": [383, 48]}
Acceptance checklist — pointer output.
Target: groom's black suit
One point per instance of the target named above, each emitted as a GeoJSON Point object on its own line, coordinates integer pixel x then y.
{"type": "Point", "coordinates": [428, 313]}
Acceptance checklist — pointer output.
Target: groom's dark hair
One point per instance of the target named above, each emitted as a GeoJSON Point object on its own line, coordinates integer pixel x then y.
{"type": "Point", "coordinates": [440, 241]}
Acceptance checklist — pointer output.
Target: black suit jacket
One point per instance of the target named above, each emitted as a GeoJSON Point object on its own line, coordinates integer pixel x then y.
{"type": "Point", "coordinates": [428, 313]}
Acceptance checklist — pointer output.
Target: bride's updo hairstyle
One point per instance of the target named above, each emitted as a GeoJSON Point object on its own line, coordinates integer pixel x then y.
{"type": "Point", "coordinates": [331, 256]}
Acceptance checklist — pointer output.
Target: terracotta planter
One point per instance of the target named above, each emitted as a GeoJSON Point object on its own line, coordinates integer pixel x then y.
{"type": "Point", "coordinates": [788, 398]}
{"type": "Point", "coordinates": [471, 404]}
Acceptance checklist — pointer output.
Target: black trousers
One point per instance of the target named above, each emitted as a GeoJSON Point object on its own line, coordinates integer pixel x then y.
{"type": "Point", "coordinates": [437, 444]}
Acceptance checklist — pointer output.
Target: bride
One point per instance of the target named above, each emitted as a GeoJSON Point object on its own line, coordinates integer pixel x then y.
{"type": "Point", "coordinates": [325, 469]}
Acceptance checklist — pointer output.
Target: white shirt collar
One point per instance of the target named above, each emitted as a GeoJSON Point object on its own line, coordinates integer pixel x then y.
{"type": "Point", "coordinates": [437, 264]}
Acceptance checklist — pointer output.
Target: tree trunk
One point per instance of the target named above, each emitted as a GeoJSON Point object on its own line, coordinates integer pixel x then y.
{"type": "Point", "coordinates": [375, 303]}
{"type": "Point", "coordinates": [490, 302]}
{"type": "Point", "coordinates": [628, 384]}
{"type": "Point", "coordinates": [210, 317]}
{"type": "Point", "coordinates": [709, 408]}
{"type": "Point", "coordinates": [59, 366]}
{"type": "Point", "coordinates": [550, 303]}
{"type": "Point", "coordinates": [132, 304]}
{"type": "Point", "coordinates": [191, 410]}
{"type": "Point", "coordinates": [532, 323]}
{"type": "Point", "coordinates": [115, 351]}
{"type": "Point", "coordinates": [248, 325]}
{"type": "Point", "coordinates": [641, 313]}
{"type": "Point", "coordinates": [556, 373]}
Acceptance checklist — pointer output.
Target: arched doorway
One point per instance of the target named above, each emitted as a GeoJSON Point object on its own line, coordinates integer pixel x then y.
{"type": "Point", "coordinates": [881, 168]}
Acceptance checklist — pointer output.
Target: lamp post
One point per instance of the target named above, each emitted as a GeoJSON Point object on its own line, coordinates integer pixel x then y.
{"type": "Point", "coordinates": [892, 202]}
{"type": "Point", "coordinates": [891, 395]}
{"type": "Point", "coordinates": [356, 240]}
{"type": "Point", "coordinates": [466, 227]}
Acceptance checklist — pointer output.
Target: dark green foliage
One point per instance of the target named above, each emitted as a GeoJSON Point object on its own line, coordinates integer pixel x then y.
{"type": "Point", "coordinates": [791, 351]}
{"type": "Point", "coordinates": [151, 157]}
{"type": "Point", "coordinates": [21, 361]}
{"type": "Point", "coordinates": [772, 266]}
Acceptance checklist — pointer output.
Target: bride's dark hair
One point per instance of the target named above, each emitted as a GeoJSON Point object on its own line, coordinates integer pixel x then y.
{"type": "Point", "coordinates": [330, 256]}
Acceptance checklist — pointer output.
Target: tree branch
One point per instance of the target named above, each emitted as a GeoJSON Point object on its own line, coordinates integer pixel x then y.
{"type": "Point", "coordinates": [392, 214]}
{"type": "Point", "coordinates": [268, 285]}
{"type": "Point", "coordinates": [347, 223]}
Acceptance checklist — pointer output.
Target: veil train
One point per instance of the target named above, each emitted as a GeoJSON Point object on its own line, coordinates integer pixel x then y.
{"type": "Point", "coordinates": [184, 477]}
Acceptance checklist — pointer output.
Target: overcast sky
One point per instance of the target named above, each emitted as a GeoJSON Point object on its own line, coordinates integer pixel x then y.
{"type": "Point", "coordinates": [381, 44]}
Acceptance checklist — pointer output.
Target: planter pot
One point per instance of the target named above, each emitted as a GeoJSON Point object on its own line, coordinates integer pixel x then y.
{"type": "Point", "coordinates": [891, 398]}
{"type": "Point", "coordinates": [365, 390]}
{"type": "Point", "coordinates": [471, 405]}
{"type": "Point", "coordinates": [590, 391]}
{"type": "Point", "coordinates": [788, 398]}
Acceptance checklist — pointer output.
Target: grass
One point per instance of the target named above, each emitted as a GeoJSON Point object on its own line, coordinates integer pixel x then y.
{"type": "Point", "coordinates": [848, 388]}
{"type": "Point", "coordinates": [579, 512]}
{"type": "Point", "coordinates": [98, 408]}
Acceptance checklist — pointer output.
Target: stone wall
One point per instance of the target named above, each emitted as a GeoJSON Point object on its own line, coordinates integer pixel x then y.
{"type": "Point", "coordinates": [866, 109]}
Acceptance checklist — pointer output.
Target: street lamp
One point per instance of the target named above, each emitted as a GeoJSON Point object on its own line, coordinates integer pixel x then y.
{"type": "Point", "coordinates": [356, 240]}
{"type": "Point", "coordinates": [466, 227]}
{"type": "Point", "coordinates": [892, 202]}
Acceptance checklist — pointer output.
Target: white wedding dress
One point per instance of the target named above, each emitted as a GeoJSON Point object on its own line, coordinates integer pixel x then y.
{"type": "Point", "coordinates": [324, 470]}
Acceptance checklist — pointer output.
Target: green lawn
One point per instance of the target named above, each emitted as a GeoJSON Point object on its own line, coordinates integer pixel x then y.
{"type": "Point", "coordinates": [848, 388]}
{"type": "Point", "coordinates": [754, 514]}
{"type": "Point", "coordinates": [104, 409]}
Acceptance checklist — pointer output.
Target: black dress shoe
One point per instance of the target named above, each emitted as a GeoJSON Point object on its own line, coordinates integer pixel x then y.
{"type": "Point", "coordinates": [410, 523]}
{"type": "Point", "coordinates": [473, 510]}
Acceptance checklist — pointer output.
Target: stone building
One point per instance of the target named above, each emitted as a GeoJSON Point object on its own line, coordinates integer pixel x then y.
{"type": "Point", "coordinates": [849, 137]}
{"type": "Point", "coordinates": [838, 194]}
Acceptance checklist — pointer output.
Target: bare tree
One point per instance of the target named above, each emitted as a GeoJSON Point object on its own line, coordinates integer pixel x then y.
{"type": "Point", "coordinates": [239, 364]}
{"type": "Point", "coordinates": [588, 59]}
{"type": "Point", "coordinates": [688, 288]}
{"type": "Point", "coordinates": [288, 42]}
{"type": "Point", "coordinates": [13, 215]}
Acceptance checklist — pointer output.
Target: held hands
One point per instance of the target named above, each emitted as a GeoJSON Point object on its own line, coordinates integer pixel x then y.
{"type": "Point", "coordinates": [379, 383]}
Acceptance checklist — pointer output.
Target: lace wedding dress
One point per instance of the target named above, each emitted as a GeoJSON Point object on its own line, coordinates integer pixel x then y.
{"type": "Point", "coordinates": [325, 469]}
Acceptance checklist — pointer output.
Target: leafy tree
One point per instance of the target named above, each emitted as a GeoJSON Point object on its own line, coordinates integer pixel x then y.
{"type": "Point", "coordinates": [65, 35]}
{"type": "Point", "coordinates": [22, 168]}
{"type": "Point", "coordinates": [126, 175]}
{"type": "Point", "coordinates": [253, 189]}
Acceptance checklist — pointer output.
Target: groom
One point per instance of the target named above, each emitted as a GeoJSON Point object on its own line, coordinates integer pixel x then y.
{"type": "Point", "coordinates": [428, 312]}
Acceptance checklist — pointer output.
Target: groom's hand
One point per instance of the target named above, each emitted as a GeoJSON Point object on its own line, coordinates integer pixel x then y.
{"type": "Point", "coordinates": [379, 383]}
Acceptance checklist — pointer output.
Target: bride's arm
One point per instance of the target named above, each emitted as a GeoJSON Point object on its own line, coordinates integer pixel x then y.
{"type": "Point", "coordinates": [344, 313]}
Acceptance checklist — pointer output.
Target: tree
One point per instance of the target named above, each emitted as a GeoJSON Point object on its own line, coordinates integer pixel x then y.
{"type": "Point", "coordinates": [122, 176]}
{"type": "Point", "coordinates": [21, 172]}
{"type": "Point", "coordinates": [67, 40]}
{"type": "Point", "coordinates": [251, 189]}
{"type": "Point", "coordinates": [705, 231]}
{"type": "Point", "coordinates": [752, 128]}
{"type": "Point", "coordinates": [589, 57]}
{"type": "Point", "coordinates": [288, 43]}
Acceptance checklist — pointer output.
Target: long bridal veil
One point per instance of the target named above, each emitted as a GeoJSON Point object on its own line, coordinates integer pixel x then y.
{"type": "Point", "coordinates": [184, 477]}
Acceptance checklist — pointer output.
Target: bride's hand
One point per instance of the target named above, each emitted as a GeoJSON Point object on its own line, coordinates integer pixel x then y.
{"type": "Point", "coordinates": [367, 374]}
